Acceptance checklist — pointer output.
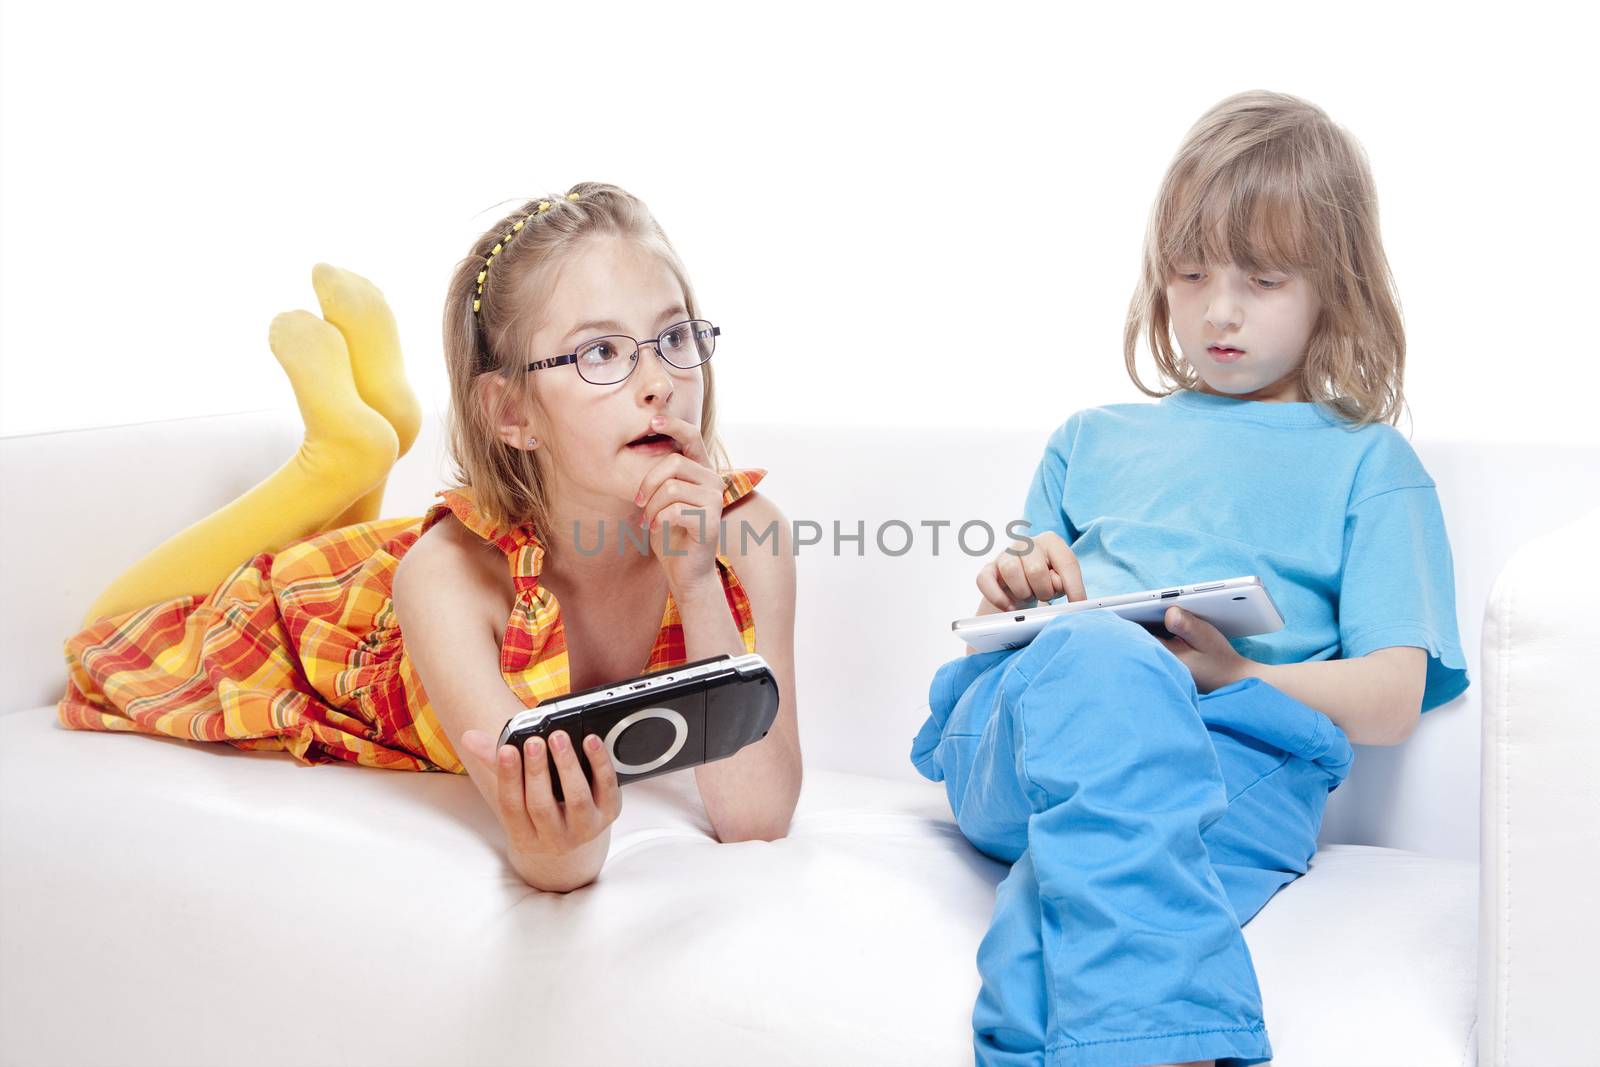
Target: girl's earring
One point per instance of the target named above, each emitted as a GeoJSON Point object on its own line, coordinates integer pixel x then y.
{"type": "Point", "coordinates": [532, 442]}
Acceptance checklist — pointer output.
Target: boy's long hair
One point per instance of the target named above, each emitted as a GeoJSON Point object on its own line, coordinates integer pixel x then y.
{"type": "Point", "coordinates": [506, 482]}
{"type": "Point", "coordinates": [1289, 191]}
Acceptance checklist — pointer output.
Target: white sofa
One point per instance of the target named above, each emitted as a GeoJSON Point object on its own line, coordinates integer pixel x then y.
{"type": "Point", "coordinates": [171, 903]}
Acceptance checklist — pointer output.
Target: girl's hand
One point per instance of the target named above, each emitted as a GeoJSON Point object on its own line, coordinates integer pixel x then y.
{"type": "Point", "coordinates": [1049, 568]}
{"type": "Point", "coordinates": [1204, 650]}
{"type": "Point", "coordinates": [685, 544]}
{"type": "Point", "coordinates": [538, 829]}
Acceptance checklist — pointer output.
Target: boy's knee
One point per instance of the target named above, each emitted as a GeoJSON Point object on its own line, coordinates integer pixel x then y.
{"type": "Point", "coordinates": [1098, 637]}
{"type": "Point", "coordinates": [1098, 658]}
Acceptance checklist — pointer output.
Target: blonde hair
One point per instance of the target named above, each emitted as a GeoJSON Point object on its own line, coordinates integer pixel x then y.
{"type": "Point", "coordinates": [506, 482]}
{"type": "Point", "coordinates": [1291, 191]}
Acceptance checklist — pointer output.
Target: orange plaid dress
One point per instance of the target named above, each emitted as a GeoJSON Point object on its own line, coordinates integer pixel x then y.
{"type": "Point", "coordinates": [301, 650]}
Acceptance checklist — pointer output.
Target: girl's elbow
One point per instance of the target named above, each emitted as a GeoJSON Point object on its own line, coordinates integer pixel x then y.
{"type": "Point", "coordinates": [769, 825]}
{"type": "Point", "coordinates": [753, 832]}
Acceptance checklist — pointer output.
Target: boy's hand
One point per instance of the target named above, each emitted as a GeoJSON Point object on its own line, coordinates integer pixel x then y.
{"type": "Point", "coordinates": [1204, 650]}
{"type": "Point", "coordinates": [1049, 568]}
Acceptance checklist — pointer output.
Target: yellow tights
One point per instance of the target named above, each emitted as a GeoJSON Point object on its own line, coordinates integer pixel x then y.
{"type": "Point", "coordinates": [360, 414]}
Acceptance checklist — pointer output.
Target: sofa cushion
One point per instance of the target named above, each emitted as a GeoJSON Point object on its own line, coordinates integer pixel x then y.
{"type": "Point", "coordinates": [205, 905]}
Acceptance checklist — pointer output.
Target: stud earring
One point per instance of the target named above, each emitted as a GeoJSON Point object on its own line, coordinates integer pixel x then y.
{"type": "Point", "coordinates": [532, 441]}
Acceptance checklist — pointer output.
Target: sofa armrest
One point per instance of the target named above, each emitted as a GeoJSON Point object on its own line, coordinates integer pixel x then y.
{"type": "Point", "coordinates": [1540, 845]}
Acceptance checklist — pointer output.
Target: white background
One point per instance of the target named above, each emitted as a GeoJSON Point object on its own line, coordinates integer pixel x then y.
{"type": "Point", "coordinates": [909, 215]}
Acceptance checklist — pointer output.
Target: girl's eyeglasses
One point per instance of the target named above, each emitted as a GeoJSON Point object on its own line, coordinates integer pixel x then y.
{"type": "Point", "coordinates": [610, 359]}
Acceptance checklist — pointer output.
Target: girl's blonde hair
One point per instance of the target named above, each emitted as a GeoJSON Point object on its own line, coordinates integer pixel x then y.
{"type": "Point", "coordinates": [506, 483]}
{"type": "Point", "coordinates": [1290, 191]}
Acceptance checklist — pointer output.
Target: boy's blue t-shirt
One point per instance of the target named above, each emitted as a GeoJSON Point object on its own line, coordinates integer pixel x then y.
{"type": "Point", "coordinates": [1342, 525]}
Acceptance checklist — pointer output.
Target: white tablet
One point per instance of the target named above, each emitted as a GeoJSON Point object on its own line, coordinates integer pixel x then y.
{"type": "Point", "coordinates": [1239, 607]}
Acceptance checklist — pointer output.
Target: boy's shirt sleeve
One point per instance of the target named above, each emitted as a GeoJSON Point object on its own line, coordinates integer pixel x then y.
{"type": "Point", "coordinates": [1397, 586]}
{"type": "Point", "coordinates": [1043, 508]}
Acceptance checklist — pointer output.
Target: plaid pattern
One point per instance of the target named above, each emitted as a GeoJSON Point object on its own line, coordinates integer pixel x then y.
{"type": "Point", "coordinates": [301, 650]}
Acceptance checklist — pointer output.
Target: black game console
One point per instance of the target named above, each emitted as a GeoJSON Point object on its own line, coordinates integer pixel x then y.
{"type": "Point", "coordinates": [662, 721]}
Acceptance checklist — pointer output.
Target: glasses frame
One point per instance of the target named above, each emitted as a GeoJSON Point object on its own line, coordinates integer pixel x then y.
{"type": "Point", "coordinates": [572, 357]}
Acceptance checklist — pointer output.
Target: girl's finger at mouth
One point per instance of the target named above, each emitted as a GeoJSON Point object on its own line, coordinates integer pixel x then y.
{"type": "Point", "coordinates": [682, 431]}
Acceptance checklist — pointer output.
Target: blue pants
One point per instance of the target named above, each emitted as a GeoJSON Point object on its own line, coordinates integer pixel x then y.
{"type": "Point", "coordinates": [1144, 823]}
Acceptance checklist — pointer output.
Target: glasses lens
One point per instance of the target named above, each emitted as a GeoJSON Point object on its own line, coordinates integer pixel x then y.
{"type": "Point", "coordinates": [688, 344]}
{"type": "Point", "coordinates": [606, 360]}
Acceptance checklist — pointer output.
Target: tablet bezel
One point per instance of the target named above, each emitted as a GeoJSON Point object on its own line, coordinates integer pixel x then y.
{"type": "Point", "coordinates": [1013, 629]}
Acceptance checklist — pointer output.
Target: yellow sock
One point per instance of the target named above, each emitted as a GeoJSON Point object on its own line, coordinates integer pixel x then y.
{"type": "Point", "coordinates": [348, 448]}
{"type": "Point", "coordinates": [356, 307]}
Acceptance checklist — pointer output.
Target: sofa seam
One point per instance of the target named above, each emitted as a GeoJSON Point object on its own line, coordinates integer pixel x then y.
{"type": "Point", "coordinates": [1505, 805]}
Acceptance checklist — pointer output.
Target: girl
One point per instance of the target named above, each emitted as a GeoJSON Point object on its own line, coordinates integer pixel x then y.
{"type": "Point", "coordinates": [563, 430]}
{"type": "Point", "coordinates": [1153, 789]}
